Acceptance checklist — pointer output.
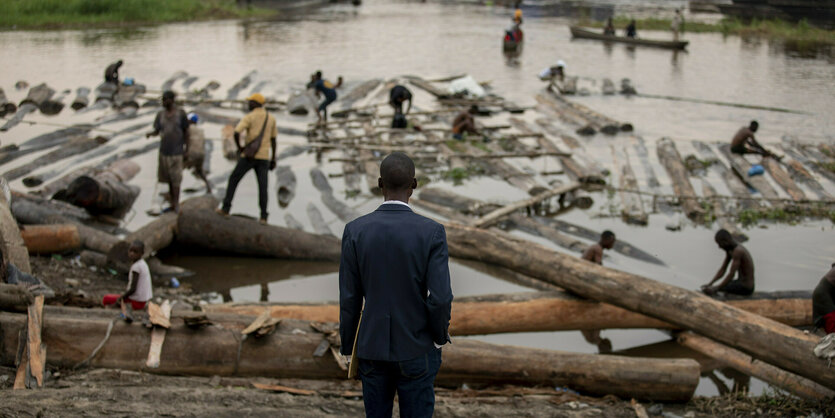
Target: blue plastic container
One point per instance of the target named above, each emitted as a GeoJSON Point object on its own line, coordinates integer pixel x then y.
{"type": "Point", "coordinates": [756, 170]}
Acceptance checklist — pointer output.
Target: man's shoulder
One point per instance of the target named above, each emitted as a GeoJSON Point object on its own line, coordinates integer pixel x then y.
{"type": "Point", "coordinates": [139, 265]}
{"type": "Point", "coordinates": [408, 215]}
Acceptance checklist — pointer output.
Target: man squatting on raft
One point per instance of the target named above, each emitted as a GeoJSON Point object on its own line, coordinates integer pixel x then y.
{"type": "Point", "coordinates": [740, 261]}
{"type": "Point", "coordinates": [595, 254]}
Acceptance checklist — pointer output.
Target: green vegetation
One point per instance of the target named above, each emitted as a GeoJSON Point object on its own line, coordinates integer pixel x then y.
{"type": "Point", "coordinates": [792, 215]}
{"type": "Point", "coordinates": [458, 175]}
{"type": "Point", "coordinates": [33, 14]}
{"type": "Point", "coordinates": [775, 29]}
{"type": "Point", "coordinates": [826, 166]}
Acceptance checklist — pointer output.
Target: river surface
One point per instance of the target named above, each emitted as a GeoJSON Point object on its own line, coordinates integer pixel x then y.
{"type": "Point", "coordinates": [384, 39]}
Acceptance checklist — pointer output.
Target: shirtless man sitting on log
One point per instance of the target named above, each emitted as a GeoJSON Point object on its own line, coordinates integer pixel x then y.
{"type": "Point", "coordinates": [464, 123]}
{"type": "Point", "coordinates": [745, 143]}
{"type": "Point", "coordinates": [740, 261]}
{"type": "Point", "coordinates": [823, 302]}
{"type": "Point", "coordinates": [595, 254]}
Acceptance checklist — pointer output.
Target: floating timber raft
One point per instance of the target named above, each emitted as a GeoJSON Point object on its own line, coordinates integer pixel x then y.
{"type": "Point", "coordinates": [541, 311]}
{"type": "Point", "coordinates": [72, 336]}
{"type": "Point", "coordinates": [582, 33]}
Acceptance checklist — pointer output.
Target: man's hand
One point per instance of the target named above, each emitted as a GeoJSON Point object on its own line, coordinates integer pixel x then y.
{"type": "Point", "coordinates": [150, 134]}
{"type": "Point", "coordinates": [272, 165]}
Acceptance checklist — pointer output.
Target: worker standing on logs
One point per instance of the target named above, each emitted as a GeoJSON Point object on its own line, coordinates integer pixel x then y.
{"type": "Point", "coordinates": [631, 29]}
{"type": "Point", "coordinates": [172, 125]}
{"type": "Point", "coordinates": [742, 266]}
{"type": "Point", "coordinates": [398, 262]}
{"type": "Point", "coordinates": [111, 73]}
{"type": "Point", "coordinates": [464, 123]}
{"type": "Point", "coordinates": [196, 150]}
{"type": "Point", "coordinates": [610, 28]}
{"type": "Point", "coordinates": [255, 155]}
{"type": "Point", "coordinates": [745, 143]}
{"type": "Point", "coordinates": [139, 290]}
{"type": "Point", "coordinates": [327, 89]}
{"type": "Point", "coordinates": [595, 254]}
{"type": "Point", "coordinates": [823, 302]}
{"type": "Point", "coordinates": [676, 24]}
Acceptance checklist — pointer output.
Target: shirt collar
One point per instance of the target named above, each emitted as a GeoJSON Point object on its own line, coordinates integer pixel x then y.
{"type": "Point", "coordinates": [396, 202]}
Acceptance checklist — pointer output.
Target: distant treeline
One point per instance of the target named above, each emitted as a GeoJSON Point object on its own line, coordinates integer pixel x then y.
{"type": "Point", "coordinates": [75, 13]}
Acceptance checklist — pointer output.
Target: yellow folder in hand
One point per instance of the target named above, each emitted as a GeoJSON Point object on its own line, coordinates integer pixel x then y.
{"type": "Point", "coordinates": [352, 366]}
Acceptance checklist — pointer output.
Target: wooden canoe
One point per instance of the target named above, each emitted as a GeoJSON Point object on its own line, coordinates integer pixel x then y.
{"type": "Point", "coordinates": [579, 32]}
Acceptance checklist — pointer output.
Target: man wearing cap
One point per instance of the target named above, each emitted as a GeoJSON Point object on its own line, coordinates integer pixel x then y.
{"type": "Point", "coordinates": [196, 150]}
{"type": "Point", "coordinates": [258, 125]}
{"type": "Point", "coordinates": [172, 126]}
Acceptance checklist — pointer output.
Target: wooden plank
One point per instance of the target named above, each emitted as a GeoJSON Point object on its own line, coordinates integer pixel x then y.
{"type": "Point", "coordinates": [36, 350]}
{"type": "Point", "coordinates": [741, 166]}
{"type": "Point", "coordinates": [738, 360]}
{"type": "Point", "coordinates": [162, 316]}
{"type": "Point", "coordinates": [283, 389]}
{"type": "Point", "coordinates": [494, 216]}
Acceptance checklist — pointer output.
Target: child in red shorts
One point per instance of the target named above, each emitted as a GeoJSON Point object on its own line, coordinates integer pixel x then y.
{"type": "Point", "coordinates": [139, 290]}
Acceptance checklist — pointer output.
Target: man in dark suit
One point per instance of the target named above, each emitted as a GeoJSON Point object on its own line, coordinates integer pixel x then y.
{"type": "Point", "coordinates": [398, 262]}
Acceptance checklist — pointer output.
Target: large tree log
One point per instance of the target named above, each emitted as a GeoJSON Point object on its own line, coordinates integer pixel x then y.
{"type": "Point", "coordinates": [103, 192]}
{"type": "Point", "coordinates": [31, 211]}
{"type": "Point", "coordinates": [741, 166]}
{"type": "Point", "coordinates": [763, 338]}
{"type": "Point", "coordinates": [119, 163]}
{"type": "Point", "coordinates": [318, 221]}
{"type": "Point", "coordinates": [202, 227]}
{"type": "Point", "coordinates": [55, 105]}
{"type": "Point", "coordinates": [74, 146]}
{"type": "Point", "coordinates": [6, 106]}
{"type": "Point", "coordinates": [156, 235]}
{"type": "Point", "coordinates": [800, 173]}
{"type": "Point", "coordinates": [49, 239]}
{"type": "Point", "coordinates": [343, 108]}
{"type": "Point", "coordinates": [82, 98]}
{"type": "Point", "coordinates": [566, 114]}
{"type": "Point", "coordinates": [633, 206]}
{"type": "Point", "coordinates": [735, 185]}
{"type": "Point", "coordinates": [800, 155]}
{"type": "Point", "coordinates": [578, 152]}
{"type": "Point", "coordinates": [492, 217]}
{"type": "Point", "coordinates": [744, 363]}
{"type": "Point", "coordinates": [288, 353]}
{"type": "Point", "coordinates": [21, 112]}
{"type": "Point", "coordinates": [541, 312]}
{"type": "Point", "coordinates": [11, 243]}
{"type": "Point", "coordinates": [14, 298]}
{"type": "Point", "coordinates": [38, 95]}
{"type": "Point", "coordinates": [575, 170]}
{"type": "Point", "coordinates": [782, 178]}
{"type": "Point", "coordinates": [671, 160]}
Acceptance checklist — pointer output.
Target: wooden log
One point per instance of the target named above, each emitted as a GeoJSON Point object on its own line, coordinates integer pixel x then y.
{"type": "Point", "coordinates": [74, 146]}
{"type": "Point", "coordinates": [6, 107]}
{"type": "Point", "coordinates": [11, 243]}
{"type": "Point", "coordinates": [800, 173]}
{"type": "Point", "coordinates": [38, 95]}
{"type": "Point", "coordinates": [127, 96]}
{"type": "Point", "coordinates": [49, 239]}
{"type": "Point", "coordinates": [21, 112]}
{"type": "Point", "coordinates": [643, 156]}
{"type": "Point", "coordinates": [494, 216]}
{"type": "Point", "coordinates": [738, 360]}
{"type": "Point", "coordinates": [32, 211]}
{"type": "Point", "coordinates": [343, 108]}
{"type": "Point", "coordinates": [203, 228]}
{"type": "Point", "coordinates": [632, 209]}
{"type": "Point", "coordinates": [292, 223]}
{"type": "Point", "coordinates": [783, 179]}
{"type": "Point", "coordinates": [301, 103]}
{"type": "Point", "coordinates": [670, 158]}
{"type": "Point", "coordinates": [797, 154]}
{"type": "Point", "coordinates": [285, 185]}
{"type": "Point", "coordinates": [568, 115]}
{"type": "Point", "coordinates": [601, 122]}
{"type": "Point", "coordinates": [54, 105]}
{"type": "Point", "coordinates": [242, 84]}
{"type": "Point", "coordinates": [287, 353]}
{"type": "Point", "coordinates": [578, 172]}
{"type": "Point", "coordinates": [741, 166]}
{"type": "Point", "coordinates": [102, 193]}
{"type": "Point", "coordinates": [156, 235]}
{"type": "Point", "coordinates": [540, 312]}
{"type": "Point", "coordinates": [15, 298]}
{"type": "Point", "coordinates": [318, 221]}
{"type": "Point", "coordinates": [81, 98]}
{"type": "Point", "coordinates": [722, 213]}
{"type": "Point", "coordinates": [588, 167]}
{"type": "Point", "coordinates": [429, 87]}
{"type": "Point", "coordinates": [371, 168]}
{"type": "Point", "coordinates": [621, 247]}
{"type": "Point", "coordinates": [765, 339]}
{"type": "Point", "coordinates": [168, 84]}
{"type": "Point", "coordinates": [735, 185]}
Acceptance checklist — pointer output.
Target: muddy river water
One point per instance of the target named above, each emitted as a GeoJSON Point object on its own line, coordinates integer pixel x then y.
{"type": "Point", "coordinates": [383, 39]}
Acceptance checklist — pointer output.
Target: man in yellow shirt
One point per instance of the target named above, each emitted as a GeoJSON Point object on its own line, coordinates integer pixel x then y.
{"type": "Point", "coordinates": [258, 125]}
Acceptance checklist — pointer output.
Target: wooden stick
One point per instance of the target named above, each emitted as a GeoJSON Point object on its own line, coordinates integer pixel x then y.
{"type": "Point", "coordinates": [494, 216]}
{"type": "Point", "coordinates": [744, 363]}
{"type": "Point", "coordinates": [718, 103]}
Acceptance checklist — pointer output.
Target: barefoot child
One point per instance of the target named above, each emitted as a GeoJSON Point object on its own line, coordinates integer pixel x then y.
{"type": "Point", "coordinates": [139, 284]}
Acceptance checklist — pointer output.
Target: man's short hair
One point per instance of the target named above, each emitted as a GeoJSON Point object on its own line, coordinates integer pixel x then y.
{"type": "Point", "coordinates": [753, 125]}
{"type": "Point", "coordinates": [723, 235]}
{"type": "Point", "coordinates": [397, 171]}
{"type": "Point", "coordinates": [318, 74]}
{"type": "Point", "coordinates": [137, 245]}
{"type": "Point", "coordinates": [168, 94]}
{"type": "Point", "coordinates": [607, 234]}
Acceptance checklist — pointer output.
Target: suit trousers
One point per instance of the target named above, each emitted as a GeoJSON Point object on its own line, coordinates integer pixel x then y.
{"type": "Point", "coordinates": [413, 381]}
{"type": "Point", "coordinates": [261, 168]}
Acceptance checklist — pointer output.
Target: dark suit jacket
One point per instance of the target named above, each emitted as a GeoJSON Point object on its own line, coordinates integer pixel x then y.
{"type": "Point", "coordinates": [393, 258]}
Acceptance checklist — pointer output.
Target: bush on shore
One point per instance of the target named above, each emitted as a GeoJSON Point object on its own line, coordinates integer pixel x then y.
{"type": "Point", "coordinates": [62, 13]}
